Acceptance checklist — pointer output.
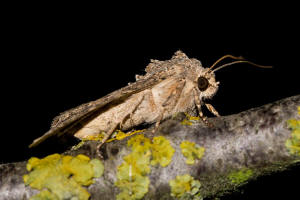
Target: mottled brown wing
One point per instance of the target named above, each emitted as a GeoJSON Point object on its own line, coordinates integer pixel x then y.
{"type": "Point", "coordinates": [63, 123]}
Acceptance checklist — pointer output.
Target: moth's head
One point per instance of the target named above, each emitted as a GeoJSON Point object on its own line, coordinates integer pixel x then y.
{"type": "Point", "coordinates": [207, 83]}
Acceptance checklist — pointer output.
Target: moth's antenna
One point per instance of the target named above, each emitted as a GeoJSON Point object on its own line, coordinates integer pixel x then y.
{"type": "Point", "coordinates": [240, 61]}
{"type": "Point", "coordinates": [226, 56]}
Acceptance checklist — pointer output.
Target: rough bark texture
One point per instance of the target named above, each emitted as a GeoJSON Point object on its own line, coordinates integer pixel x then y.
{"type": "Point", "coordinates": [253, 139]}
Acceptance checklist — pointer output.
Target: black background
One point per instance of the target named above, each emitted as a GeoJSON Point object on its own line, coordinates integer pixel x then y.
{"type": "Point", "coordinates": [53, 62]}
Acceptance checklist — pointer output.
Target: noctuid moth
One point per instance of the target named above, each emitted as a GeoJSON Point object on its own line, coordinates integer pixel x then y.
{"type": "Point", "coordinates": [180, 84]}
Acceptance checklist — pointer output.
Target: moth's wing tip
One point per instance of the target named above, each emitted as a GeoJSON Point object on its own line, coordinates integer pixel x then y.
{"type": "Point", "coordinates": [39, 140]}
{"type": "Point", "coordinates": [33, 144]}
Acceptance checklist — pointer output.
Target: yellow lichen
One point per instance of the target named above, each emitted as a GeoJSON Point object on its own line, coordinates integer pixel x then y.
{"type": "Point", "coordinates": [293, 143]}
{"type": "Point", "coordinates": [162, 151]}
{"type": "Point", "coordinates": [61, 177]}
{"type": "Point", "coordinates": [135, 189]}
{"type": "Point", "coordinates": [191, 151]}
{"type": "Point", "coordinates": [120, 135]}
{"type": "Point", "coordinates": [189, 119]}
{"type": "Point", "coordinates": [132, 173]}
{"type": "Point", "coordinates": [185, 187]}
{"type": "Point", "coordinates": [98, 137]}
{"type": "Point", "coordinates": [117, 135]}
{"type": "Point", "coordinates": [139, 143]}
{"type": "Point", "coordinates": [186, 122]}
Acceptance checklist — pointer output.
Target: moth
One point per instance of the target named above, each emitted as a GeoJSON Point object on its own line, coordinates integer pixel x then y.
{"type": "Point", "coordinates": [180, 84]}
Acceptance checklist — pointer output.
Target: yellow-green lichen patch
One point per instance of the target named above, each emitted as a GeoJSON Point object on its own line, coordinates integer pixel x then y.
{"type": "Point", "coordinates": [293, 143]}
{"type": "Point", "coordinates": [191, 151]}
{"type": "Point", "coordinates": [162, 151]}
{"type": "Point", "coordinates": [132, 177]}
{"type": "Point", "coordinates": [240, 176]}
{"type": "Point", "coordinates": [131, 174]}
{"type": "Point", "coordinates": [185, 187]}
{"type": "Point", "coordinates": [120, 135]}
{"type": "Point", "coordinates": [189, 119]}
{"type": "Point", "coordinates": [61, 177]}
{"type": "Point", "coordinates": [186, 122]}
{"type": "Point", "coordinates": [117, 135]}
{"type": "Point", "coordinates": [98, 137]}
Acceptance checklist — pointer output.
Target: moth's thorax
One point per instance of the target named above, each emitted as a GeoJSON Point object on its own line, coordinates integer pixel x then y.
{"type": "Point", "coordinates": [194, 70]}
{"type": "Point", "coordinates": [186, 68]}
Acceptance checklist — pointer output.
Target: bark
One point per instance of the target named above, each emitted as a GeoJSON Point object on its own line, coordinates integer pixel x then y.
{"type": "Point", "coordinates": [253, 139]}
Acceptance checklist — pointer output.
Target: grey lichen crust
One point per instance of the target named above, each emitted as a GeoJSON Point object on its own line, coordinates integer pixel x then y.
{"type": "Point", "coordinates": [238, 148]}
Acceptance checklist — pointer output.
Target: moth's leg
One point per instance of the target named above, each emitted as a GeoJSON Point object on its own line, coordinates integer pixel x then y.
{"type": "Point", "coordinates": [113, 127]}
{"type": "Point", "coordinates": [162, 112]}
{"type": "Point", "coordinates": [172, 99]}
{"type": "Point", "coordinates": [212, 109]}
{"type": "Point", "coordinates": [198, 105]}
{"type": "Point", "coordinates": [132, 112]}
{"type": "Point", "coordinates": [109, 133]}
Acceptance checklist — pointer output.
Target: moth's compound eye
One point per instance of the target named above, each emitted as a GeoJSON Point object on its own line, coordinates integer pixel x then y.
{"type": "Point", "coordinates": [202, 83]}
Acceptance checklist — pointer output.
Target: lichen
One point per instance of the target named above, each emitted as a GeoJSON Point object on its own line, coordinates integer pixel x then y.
{"type": "Point", "coordinates": [131, 174]}
{"type": "Point", "coordinates": [61, 177]}
{"type": "Point", "coordinates": [132, 177]}
{"type": "Point", "coordinates": [240, 176]}
{"type": "Point", "coordinates": [120, 135]}
{"type": "Point", "coordinates": [293, 143]}
{"type": "Point", "coordinates": [117, 135]}
{"type": "Point", "coordinates": [191, 151]}
{"type": "Point", "coordinates": [185, 187]}
{"type": "Point", "coordinates": [189, 119]}
{"type": "Point", "coordinates": [186, 122]}
{"type": "Point", "coordinates": [162, 151]}
{"type": "Point", "coordinates": [98, 137]}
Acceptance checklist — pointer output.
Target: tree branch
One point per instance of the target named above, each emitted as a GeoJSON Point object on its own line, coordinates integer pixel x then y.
{"type": "Point", "coordinates": [253, 140]}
